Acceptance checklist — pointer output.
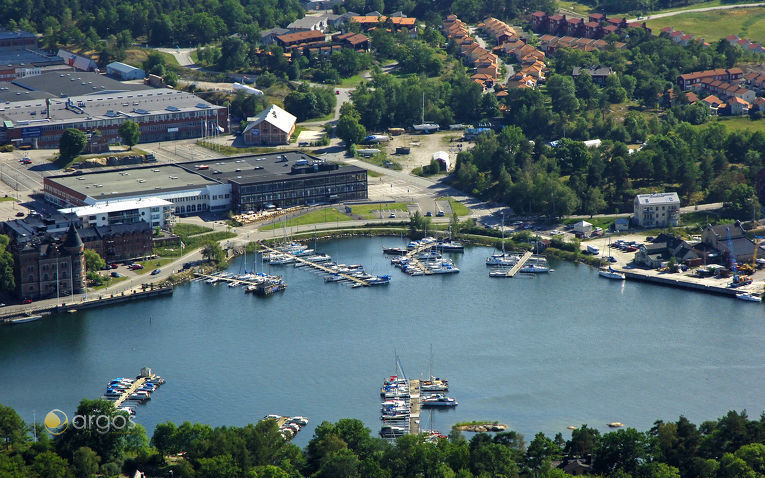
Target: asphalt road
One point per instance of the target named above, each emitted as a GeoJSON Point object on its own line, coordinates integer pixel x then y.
{"type": "Point", "coordinates": [693, 10]}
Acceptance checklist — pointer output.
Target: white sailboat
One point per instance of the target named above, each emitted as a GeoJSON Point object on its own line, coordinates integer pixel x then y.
{"type": "Point", "coordinates": [609, 272]}
{"type": "Point", "coordinates": [505, 258]}
{"type": "Point", "coordinates": [423, 126]}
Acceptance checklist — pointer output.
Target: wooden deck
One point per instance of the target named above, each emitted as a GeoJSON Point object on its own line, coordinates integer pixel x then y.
{"type": "Point", "coordinates": [135, 386]}
{"type": "Point", "coordinates": [410, 255]}
{"type": "Point", "coordinates": [518, 265]}
{"type": "Point", "coordinates": [319, 267]}
{"type": "Point", "coordinates": [414, 407]}
{"type": "Point", "coordinates": [226, 279]}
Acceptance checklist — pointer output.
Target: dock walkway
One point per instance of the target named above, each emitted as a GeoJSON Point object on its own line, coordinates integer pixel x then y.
{"type": "Point", "coordinates": [518, 265]}
{"type": "Point", "coordinates": [226, 279]}
{"type": "Point", "coordinates": [410, 255]}
{"type": "Point", "coordinates": [126, 394]}
{"type": "Point", "coordinates": [414, 407]}
{"type": "Point", "coordinates": [319, 267]}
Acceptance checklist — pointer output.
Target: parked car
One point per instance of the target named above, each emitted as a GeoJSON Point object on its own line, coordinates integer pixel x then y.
{"type": "Point", "coordinates": [116, 274]}
{"type": "Point", "coordinates": [135, 267]}
{"type": "Point", "coordinates": [19, 214]}
{"type": "Point", "coordinates": [428, 214]}
{"type": "Point", "coordinates": [26, 301]}
{"type": "Point", "coordinates": [113, 266]}
{"type": "Point", "coordinates": [2, 305]}
{"type": "Point", "coordinates": [155, 272]}
{"type": "Point", "coordinates": [392, 215]}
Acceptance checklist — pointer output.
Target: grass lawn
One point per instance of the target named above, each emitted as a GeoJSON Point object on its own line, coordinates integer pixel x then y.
{"type": "Point", "coordinates": [457, 206]}
{"type": "Point", "coordinates": [327, 214]}
{"type": "Point", "coordinates": [136, 57]}
{"type": "Point", "coordinates": [739, 123]}
{"type": "Point", "coordinates": [191, 241]}
{"type": "Point", "coordinates": [367, 211]}
{"type": "Point", "coordinates": [373, 174]}
{"type": "Point", "coordinates": [231, 150]}
{"type": "Point", "coordinates": [7, 198]}
{"type": "Point", "coordinates": [110, 281]}
{"type": "Point", "coordinates": [150, 265]}
{"type": "Point", "coordinates": [577, 7]}
{"type": "Point", "coordinates": [351, 82]}
{"type": "Point", "coordinates": [185, 229]}
{"type": "Point", "coordinates": [745, 22]}
{"type": "Point", "coordinates": [702, 218]}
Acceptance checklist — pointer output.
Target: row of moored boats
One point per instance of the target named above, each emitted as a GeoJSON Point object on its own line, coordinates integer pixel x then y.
{"type": "Point", "coordinates": [302, 256]}
{"type": "Point", "coordinates": [126, 389]}
{"type": "Point", "coordinates": [424, 257]}
{"type": "Point", "coordinates": [288, 426]}
{"type": "Point", "coordinates": [256, 283]}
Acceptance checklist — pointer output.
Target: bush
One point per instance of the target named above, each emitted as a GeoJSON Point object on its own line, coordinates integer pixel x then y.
{"type": "Point", "coordinates": [6, 148]}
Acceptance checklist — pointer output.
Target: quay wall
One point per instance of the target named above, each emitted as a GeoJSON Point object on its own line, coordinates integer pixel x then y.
{"type": "Point", "coordinates": [680, 281]}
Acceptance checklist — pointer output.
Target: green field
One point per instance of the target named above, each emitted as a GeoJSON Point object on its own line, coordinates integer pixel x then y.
{"type": "Point", "coordinates": [711, 26]}
{"type": "Point", "coordinates": [739, 123]}
{"type": "Point", "coordinates": [184, 229]}
{"type": "Point", "coordinates": [367, 211]}
{"type": "Point", "coordinates": [7, 198]}
{"type": "Point", "coordinates": [152, 264]}
{"type": "Point", "coordinates": [327, 214]}
{"type": "Point", "coordinates": [457, 206]}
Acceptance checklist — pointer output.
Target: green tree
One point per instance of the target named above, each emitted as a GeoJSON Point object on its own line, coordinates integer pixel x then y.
{"type": "Point", "coordinates": [50, 465]}
{"type": "Point", "coordinates": [221, 466]}
{"type": "Point", "coordinates": [85, 462]}
{"type": "Point", "coordinates": [213, 252]}
{"type": "Point", "coordinates": [130, 133]}
{"type": "Point", "coordinates": [7, 280]}
{"type": "Point", "coordinates": [563, 93]}
{"type": "Point", "coordinates": [350, 130]}
{"type": "Point", "coordinates": [72, 143]}
{"type": "Point", "coordinates": [12, 428]}
{"type": "Point", "coordinates": [93, 261]}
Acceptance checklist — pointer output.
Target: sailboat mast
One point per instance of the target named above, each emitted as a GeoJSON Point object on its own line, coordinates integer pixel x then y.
{"type": "Point", "coordinates": [423, 107]}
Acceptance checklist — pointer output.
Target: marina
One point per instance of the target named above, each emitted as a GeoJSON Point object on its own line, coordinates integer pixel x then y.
{"type": "Point", "coordinates": [301, 256]}
{"type": "Point", "coordinates": [288, 426]}
{"type": "Point", "coordinates": [137, 390]}
{"type": "Point", "coordinates": [423, 257]}
{"type": "Point", "coordinates": [259, 284]}
{"type": "Point", "coordinates": [636, 342]}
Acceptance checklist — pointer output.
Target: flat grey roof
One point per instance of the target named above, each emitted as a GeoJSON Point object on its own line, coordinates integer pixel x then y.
{"type": "Point", "coordinates": [75, 83]}
{"type": "Point", "coordinates": [127, 182]}
{"type": "Point", "coordinates": [270, 167]}
{"type": "Point", "coordinates": [11, 92]}
{"type": "Point", "coordinates": [104, 106]}
{"type": "Point", "coordinates": [27, 58]}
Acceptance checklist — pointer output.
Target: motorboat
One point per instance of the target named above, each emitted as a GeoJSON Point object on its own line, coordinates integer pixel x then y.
{"type": "Point", "coordinates": [438, 400]}
{"type": "Point", "coordinates": [395, 415]}
{"type": "Point", "coordinates": [748, 297]}
{"type": "Point", "coordinates": [392, 431]}
{"type": "Point", "coordinates": [450, 246]}
{"type": "Point", "coordinates": [379, 280]}
{"type": "Point", "coordinates": [24, 319]}
{"type": "Point", "coordinates": [534, 269]}
{"type": "Point", "coordinates": [611, 274]}
{"type": "Point", "coordinates": [394, 251]}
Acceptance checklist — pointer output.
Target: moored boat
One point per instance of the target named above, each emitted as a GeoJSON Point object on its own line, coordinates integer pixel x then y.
{"type": "Point", "coordinates": [749, 297]}
{"type": "Point", "coordinates": [611, 274]}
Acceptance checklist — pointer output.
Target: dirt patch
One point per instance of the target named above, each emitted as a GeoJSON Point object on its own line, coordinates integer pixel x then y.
{"type": "Point", "coordinates": [422, 146]}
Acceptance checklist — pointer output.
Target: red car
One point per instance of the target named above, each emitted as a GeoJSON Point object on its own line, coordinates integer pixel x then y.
{"type": "Point", "coordinates": [26, 301]}
{"type": "Point", "coordinates": [630, 249]}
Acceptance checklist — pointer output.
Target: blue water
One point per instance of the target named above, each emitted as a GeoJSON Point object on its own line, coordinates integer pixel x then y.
{"type": "Point", "coordinates": [538, 354]}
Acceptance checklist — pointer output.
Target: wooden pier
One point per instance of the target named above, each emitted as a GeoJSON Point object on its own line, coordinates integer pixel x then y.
{"type": "Point", "coordinates": [518, 265]}
{"type": "Point", "coordinates": [410, 255]}
{"type": "Point", "coordinates": [126, 394]}
{"type": "Point", "coordinates": [319, 267]}
{"type": "Point", "coordinates": [414, 407]}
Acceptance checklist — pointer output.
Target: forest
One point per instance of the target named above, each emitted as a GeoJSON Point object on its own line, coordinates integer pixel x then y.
{"type": "Point", "coordinates": [731, 446]}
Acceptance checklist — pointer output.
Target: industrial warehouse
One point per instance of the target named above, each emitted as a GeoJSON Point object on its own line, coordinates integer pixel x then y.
{"type": "Point", "coordinates": [35, 110]}
{"type": "Point", "coordinates": [218, 185]}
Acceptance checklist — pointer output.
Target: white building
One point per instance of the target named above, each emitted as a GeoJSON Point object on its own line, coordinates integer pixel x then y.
{"type": "Point", "coordinates": [657, 210]}
{"type": "Point", "coordinates": [443, 159]}
{"type": "Point", "coordinates": [583, 228]}
{"type": "Point", "coordinates": [153, 210]}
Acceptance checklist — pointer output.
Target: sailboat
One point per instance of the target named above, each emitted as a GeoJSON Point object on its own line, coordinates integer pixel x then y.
{"type": "Point", "coordinates": [609, 272]}
{"type": "Point", "coordinates": [434, 384]}
{"type": "Point", "coordinates": [505, 258]}
{"type": "Point", "coordinates": [423, 126]}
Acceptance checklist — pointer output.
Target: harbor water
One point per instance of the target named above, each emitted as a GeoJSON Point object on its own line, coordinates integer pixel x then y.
{"type": "Point", "coordinates": [538, 354]}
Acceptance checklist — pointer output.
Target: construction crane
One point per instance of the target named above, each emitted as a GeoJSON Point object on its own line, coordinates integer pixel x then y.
{"type": "Point", "coordinates": [737, 280]}
{"type": "Point", "coordinates": [756, 249]}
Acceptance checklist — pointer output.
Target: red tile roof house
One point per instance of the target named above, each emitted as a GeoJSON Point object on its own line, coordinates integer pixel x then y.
{"type": "Point", "coordinates": [737, 106]}
{"type": "Point", "coordinates": [556, 24]}
{"type": "Point", "coordinates": [712, 102]}
{"type": "Point", "coordinates": [593, 30]}
{"type": "Point", "coordinates": [539, 21]}
{"type": "Point", "coordinates": [759, 104]}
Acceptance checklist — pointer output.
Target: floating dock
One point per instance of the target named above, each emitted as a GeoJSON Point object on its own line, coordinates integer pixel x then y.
{"type": "Point", "coordinates": [414, 407]}
{"type": "Point", "coordinates": [517, 266]}
{"type": "Point", "coordinates": [126, 394]}
{"type": "Point", "coordinates": [319, 267]}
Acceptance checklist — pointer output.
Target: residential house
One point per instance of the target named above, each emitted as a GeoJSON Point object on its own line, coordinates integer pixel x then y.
{"type": "Point", "coordinates": [309, 22]}
{"type": "Point", "coordinates": [269, 36]}
{"type": "Point", "coordinates": [621, 224]}
{"type": "Point", "coordinates": [290, 40]}
{"type": "Point", "coordinates": [598, 73]}
{"type": "Point", "coordinates": [656, 210]}
{"type": "Point", "coordinates": [737, 106]}
{"type": "Point", "coordinates": [730, 75]}
{"type": "Point", "coordinates": [714, 103]}
{"type": "Point", "coordinates": [272, 126]}
{"type": "Point", "coordinates": [665, 247]}
{"type": "Point", "coordinates": [722, 88]}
